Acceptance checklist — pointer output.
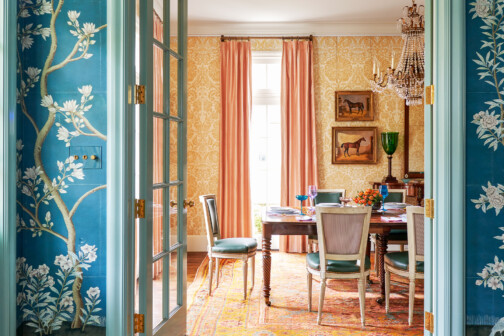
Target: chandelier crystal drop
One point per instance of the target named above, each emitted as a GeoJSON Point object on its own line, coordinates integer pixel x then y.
{"type": "Point", "coordinates": [408, 78]}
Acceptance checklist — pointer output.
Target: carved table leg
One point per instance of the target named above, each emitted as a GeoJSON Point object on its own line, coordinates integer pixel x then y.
{"type": "Point", "coordinates": [266, 256]}
{"type": "Point", "coordinates": [381, 246]}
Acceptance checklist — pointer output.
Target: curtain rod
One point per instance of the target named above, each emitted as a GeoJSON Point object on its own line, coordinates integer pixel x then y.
{"type": "Point", "coordinates": [247, 38]}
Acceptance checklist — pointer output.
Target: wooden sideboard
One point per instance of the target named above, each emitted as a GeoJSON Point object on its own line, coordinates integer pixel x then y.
{"type": "Point", "coordinates": [414, 193]}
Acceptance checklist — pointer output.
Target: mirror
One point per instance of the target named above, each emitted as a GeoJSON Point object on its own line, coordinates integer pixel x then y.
{"type": "Point", "coordinates": [413, 141]}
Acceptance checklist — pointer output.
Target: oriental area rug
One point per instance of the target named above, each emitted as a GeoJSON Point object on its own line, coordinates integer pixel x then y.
{"type": "Point", "coordinates": [226, 313]}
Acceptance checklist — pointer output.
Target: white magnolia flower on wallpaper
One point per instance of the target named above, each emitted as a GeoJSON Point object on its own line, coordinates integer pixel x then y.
{"type": "Point", "coordinates": [26, 42]}
{"type": "Point", "coordinates": [73, 15]}
{"type": "Point", "coordinates": [89, 29]}
{"type": "Point", "coordinates": [93, 291]}
{"type": "Point", "coordinates": [42, 7]}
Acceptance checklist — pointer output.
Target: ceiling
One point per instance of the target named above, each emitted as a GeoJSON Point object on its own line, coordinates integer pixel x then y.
{"type": "Point", "coordinates": [317, 17]}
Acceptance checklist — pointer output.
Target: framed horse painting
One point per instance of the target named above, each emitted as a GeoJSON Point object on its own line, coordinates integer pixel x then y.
{"type": "Point", "coordinates": [354, 145]}
{"type": "Point", "coordinates": [354, 106]}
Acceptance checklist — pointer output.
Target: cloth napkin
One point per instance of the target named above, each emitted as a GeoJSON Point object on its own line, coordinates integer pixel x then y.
{"type": "Point", "coordinates": [304, 218]}
{"type": "Point", "coordinates": [401, 218]}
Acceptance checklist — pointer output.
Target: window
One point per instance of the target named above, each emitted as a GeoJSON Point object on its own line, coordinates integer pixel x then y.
{"type": "Point", "coordinates": [265, 134]}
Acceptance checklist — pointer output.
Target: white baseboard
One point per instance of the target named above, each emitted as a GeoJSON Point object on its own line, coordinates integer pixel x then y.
{"type": "Point", "coordinates": [197, 243]}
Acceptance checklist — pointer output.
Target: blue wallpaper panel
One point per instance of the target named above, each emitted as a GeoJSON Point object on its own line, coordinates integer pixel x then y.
{"type": "Point", "coordinates": [61, 262]}
{"type": "Point", "coordinates": [485, 166]}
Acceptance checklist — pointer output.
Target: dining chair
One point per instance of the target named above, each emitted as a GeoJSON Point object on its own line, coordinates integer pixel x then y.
{"type": "Point", "coordinates": [325, 196]}
{"type": "Point", "coordinates": [342, 235]}
{"type": "Point", "coordinates": [399, 263]}
{"type": "Point", "coordinates": [396, 236]}
{"type": "Point", "coordinates": [228, 248]}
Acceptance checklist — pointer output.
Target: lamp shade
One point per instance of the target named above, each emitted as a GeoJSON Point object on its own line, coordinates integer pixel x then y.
{"type": "Point", "coordinates": [390, 140]}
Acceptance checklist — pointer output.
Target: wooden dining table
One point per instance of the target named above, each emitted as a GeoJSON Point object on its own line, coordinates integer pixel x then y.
{"type": "Point", "coordinates": [273, 224]}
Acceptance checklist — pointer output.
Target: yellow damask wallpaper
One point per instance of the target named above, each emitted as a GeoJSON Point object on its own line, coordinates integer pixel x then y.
{"type": "Point", "coordinates": [340, 63]}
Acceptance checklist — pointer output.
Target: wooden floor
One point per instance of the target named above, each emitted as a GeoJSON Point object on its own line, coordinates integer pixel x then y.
{"type": "Point", "coordinates": [194, 259]}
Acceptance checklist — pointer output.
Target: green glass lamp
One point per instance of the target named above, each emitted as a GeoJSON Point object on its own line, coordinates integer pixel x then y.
{"type": "Point", "coordinates": [390, 140]}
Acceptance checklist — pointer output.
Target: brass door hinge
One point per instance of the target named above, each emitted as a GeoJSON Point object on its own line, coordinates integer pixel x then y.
{"type": "Point", "coordinates": [139, 208]}
{"type": "Point", "coordinates": [139, 94]}
{"type": "Point", "coordinates": [429, 208]}
{"type": "Point", "coordinates": [138, 323]}
{"type": "Point", "coordinates": [429, 95]}
{"type": "Point", "coordinates": [429, 322]}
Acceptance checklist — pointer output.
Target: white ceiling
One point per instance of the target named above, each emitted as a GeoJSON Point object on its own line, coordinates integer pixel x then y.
{"type": "Point", "coordinates": [317, 17]}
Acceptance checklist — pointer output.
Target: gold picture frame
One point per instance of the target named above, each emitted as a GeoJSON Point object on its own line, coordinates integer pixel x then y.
{"type": "Point", "coordinates": [354, 145]}
{"type": "Point", "coordinates": [354, 106]}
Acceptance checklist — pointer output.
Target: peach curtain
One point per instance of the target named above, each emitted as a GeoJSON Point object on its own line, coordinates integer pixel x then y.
{"type": "Point", "coordinates": [158, 134]}
{"type": "Point", "coordinates": [234, 181]}
{"type": "Point", "coordinates": [299, 147]}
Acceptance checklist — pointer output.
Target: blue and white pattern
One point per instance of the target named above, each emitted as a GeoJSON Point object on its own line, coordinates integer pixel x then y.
{"type": "Point", "coordinates": [58, 244]}
{"type": "Point", "coordinates": [489, 61]}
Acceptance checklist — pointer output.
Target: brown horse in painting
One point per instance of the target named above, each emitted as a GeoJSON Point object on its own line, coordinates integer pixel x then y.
{"type": "Point", "coordinates": [348, 145]}
{"type": "Point", "coordinates": [359, 106]}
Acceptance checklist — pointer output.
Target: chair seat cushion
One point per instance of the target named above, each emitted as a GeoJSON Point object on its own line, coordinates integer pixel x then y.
{"type": "Point", "coordinates": [398, 235]}
{"type": "Point", "coordinates": [400, 260]}
{"type": "Point", "coordinates": [234, 245]}
{"type": "Point", "coordinates": [338, 266]}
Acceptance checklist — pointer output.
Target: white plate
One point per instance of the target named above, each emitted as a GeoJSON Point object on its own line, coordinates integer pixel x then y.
{"type": "Point", "coordinates": [283, 210]}
{"type": "Point", "coordinates": [329, 204]}
{"type": "Point", "coordinates": [394, 205]}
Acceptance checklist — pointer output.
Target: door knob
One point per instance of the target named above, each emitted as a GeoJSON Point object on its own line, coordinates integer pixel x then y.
{"type": "Point", "coordinates": [172, 203]}
{"type": "Point", "coordinates": [190, 204]}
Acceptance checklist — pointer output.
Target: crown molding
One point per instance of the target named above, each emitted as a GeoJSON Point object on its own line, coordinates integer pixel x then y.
{"type": "Point", "coordinates": [212, 28]}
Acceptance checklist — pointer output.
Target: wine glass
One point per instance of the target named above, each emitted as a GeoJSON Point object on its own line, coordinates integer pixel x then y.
{"type": "Point", "coordinates": [312, 192]}
{"type": "Point", "coordinates": [384, 192]}
{"type": "Point", "coordinates": [302, 198]}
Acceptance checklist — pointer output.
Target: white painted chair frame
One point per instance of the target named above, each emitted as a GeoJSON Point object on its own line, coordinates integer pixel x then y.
{"type": "Point", "coordinates": [211, 237]}
{"type": "Point", "coordinates": [360, 256]}
{"type": "Point", "coordinates": [314, 241]}
{"type": "Point", "coordinates": [413, 257]}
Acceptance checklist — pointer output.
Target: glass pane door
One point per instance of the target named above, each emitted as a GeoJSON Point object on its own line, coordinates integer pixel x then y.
{"type": "Point", "coordinates": [161, 160]}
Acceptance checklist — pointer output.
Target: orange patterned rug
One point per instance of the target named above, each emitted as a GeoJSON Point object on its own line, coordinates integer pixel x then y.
{"type": "Point", "coordinates": [226, 313]}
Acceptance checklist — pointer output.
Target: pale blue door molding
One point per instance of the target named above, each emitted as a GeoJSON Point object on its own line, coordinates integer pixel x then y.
{"type": "Point", "coordinates": [120, 197]}
{"type": "Point", "coordinates": [449, 168]}
{"type": "Point", "coordinates": [8, 168]}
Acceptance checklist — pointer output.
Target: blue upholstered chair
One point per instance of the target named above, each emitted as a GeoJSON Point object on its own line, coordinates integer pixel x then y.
{"type": "Point", "coordinates": [342, 235]}
{"type": "Point", "coordinates": [228, 248]}
{"type": "Point", "coordinates": [325, 196]}
{"type": "Point", "coordinates": [400, 263]}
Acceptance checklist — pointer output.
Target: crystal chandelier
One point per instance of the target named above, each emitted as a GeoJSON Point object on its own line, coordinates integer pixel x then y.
{"type": "Point", "coordinates": [408, 78]}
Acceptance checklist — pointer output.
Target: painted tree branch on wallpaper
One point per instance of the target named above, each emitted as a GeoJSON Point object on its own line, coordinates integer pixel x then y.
{"type": "Point", "coordinates": [490, 62]}
{"type": "Point", "coordinates": [47, 301]}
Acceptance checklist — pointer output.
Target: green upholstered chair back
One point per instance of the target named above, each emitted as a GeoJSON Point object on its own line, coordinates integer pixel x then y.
{"type": "Point", "coordinates": [214, 222]}
{"type": "Point", "coordinates": [329, 196]}
{"type": "Point", "coordinates": [396, 196]}
{"type": "Point", "coordinates": [211, 218]}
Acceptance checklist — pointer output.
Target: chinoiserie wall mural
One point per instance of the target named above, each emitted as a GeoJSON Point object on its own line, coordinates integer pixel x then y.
{"type": "Point", "coordinates": [61, 150]}
{"type": "Point", "coordinates": [485, 167]}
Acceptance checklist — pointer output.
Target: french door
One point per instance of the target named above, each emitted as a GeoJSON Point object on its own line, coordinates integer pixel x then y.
{"type": "Point", "coordinates": [161, 177]}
